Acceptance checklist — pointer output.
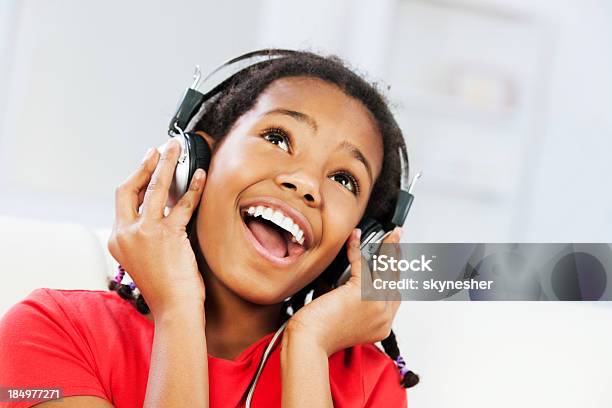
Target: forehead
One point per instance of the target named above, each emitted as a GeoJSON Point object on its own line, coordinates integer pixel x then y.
{"type": "Point", "coordinates": [336, 114]}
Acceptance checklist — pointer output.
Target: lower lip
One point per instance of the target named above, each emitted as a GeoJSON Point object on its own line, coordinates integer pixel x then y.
{"type": "Point", "coordinates": [285, 261]}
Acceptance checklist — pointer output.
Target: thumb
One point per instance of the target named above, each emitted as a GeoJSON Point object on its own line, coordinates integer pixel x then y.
{"type": "Point", "coordinates": [354, 255]}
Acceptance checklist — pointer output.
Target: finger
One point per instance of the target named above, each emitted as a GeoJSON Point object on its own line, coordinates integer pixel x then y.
{"type": "Point", "coordinates": [156, 196]}
{"type": "Point", "coordinates": [394, 236]}
{"type": "Point", "coordinates": [353, 254]}
{"type": "Point", "coordinates": [183, 210]}
{"type": "Point", "coordinates": [127, 197]}
{"type": "Point", "coordinates": [391, 249]}
{"type": "Point", "coordinates": [385, 250]}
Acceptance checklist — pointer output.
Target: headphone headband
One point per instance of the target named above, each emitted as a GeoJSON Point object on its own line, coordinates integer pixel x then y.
{"type": "Point", "coordinates": [214, 81]}
{"type": "Point", "coordinates": [202, 92]}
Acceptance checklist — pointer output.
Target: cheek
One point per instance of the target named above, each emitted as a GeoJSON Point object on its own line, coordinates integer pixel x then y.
{"type": "Point", "coordinates": [341, 215]}
{"type": "Point", "coordinates": [232, 169]}
{"type": "Point", "coordinates": [217, 223]}
{"type": "Point", "coordinates": [228, 162]}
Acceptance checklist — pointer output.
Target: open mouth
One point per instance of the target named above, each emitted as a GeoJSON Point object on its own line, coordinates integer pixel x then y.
{"type": "Point", "coordinates": [274, 235]}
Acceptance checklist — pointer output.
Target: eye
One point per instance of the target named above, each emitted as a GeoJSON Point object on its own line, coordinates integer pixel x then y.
{"type": "Point", "coordinates": [278, 137]}
{"type": "Point", "coordinates": [347, 181]}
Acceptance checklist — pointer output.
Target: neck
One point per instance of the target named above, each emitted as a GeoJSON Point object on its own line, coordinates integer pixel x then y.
{"type": "Point", "coordinates": [232, 323]}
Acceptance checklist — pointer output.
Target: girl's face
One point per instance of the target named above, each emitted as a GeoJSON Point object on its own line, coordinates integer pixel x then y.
{"type": "Point", "coordinates": [310, 154]}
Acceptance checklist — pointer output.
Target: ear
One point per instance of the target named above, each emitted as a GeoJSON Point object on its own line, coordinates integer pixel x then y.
{"type": "Point", "coordinates": [209, 140]}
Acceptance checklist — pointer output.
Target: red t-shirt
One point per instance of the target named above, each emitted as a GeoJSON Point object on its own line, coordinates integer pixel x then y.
{"type": "Point", "coordinates": [91, 342]}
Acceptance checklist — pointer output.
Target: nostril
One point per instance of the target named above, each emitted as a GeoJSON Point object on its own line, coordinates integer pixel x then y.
{"type": "Point", "coordinates": [289, 185]}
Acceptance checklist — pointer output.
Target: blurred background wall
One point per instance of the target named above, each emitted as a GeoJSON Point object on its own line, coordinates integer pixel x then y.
{"type": "Point", "coordinates": [504, 104]}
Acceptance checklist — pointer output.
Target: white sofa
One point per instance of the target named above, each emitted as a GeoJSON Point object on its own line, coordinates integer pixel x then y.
{"type": "Point", "coordinates": [35, 254]}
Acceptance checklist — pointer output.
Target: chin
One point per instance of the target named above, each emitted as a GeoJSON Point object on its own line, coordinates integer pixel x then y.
{"type": "Point", "coordinates": [258, 291]}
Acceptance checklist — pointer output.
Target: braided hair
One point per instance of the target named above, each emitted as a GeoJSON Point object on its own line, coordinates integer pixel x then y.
{"type": "Point", "coordinates": [217, 117]}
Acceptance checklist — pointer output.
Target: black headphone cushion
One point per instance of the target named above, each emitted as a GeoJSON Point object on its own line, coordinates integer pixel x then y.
{"type": "Point", "coordinates": [201, 153]}
{"type": "Point", "coordinates": [367, 226]}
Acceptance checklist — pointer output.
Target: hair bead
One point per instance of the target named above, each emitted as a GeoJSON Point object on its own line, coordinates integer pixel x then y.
{"type": "Point", "coordinates": [120, 274]}
{"type": "Point", "coordinates": [401, 365]}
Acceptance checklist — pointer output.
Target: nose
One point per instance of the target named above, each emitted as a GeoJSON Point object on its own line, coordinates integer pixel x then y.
{"type": "Point", "coordinates": [302, 184]}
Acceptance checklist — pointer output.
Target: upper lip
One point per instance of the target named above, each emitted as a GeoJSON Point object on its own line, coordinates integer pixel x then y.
{"type": "Point", "coordinates": [285, 208]}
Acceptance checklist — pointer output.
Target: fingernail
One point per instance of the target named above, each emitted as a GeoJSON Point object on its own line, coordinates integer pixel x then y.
{"type": "Point", "coordinates": [358, 233]}
{"type": "Point", "coordinates": [148, 155]}
{"type": "Point", "coordinates": [197, 179]}
{"type": "Point", "coordinates": [398, 234]}
{"type": "Point", "coordinates": [174, 144]}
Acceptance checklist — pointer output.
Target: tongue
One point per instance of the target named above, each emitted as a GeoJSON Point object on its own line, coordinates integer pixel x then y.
{"type": "Point", "coordinates": [269, 237]}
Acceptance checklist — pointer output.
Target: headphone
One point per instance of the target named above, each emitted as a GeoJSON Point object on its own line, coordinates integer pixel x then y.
{"type": "Point", "coordinates": [196, 153]}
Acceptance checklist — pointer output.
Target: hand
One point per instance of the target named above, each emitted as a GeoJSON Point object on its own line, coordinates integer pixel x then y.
{"type": "Point", "coordinates": [339, 318]}
{"type": "Point", "coordinates": [153, 248]}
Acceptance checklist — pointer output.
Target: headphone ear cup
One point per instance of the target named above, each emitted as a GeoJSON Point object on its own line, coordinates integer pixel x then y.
{"type": "Point", "coordinates": [368, 226]}
{"type": "Point", "coordinates": [203, 153]}
{"type": "Point", "coordinates": [199, 153]}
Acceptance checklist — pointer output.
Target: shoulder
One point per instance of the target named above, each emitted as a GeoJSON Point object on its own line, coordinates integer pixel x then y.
{"type": "Point", "coordinates": [78, 312]}
{"type": "Point", "coordinates": [51, 303]}
{"type": "Point", "coordinates": [368, 371]}
{"type": "Point", "coordinates": [72, 338]}
{"type": "Point", "coordinates": [62, 297]}
{"type": "Point", "coordinates": [52, 337]}
{"type": "Point", "coordinates": [68, 303]}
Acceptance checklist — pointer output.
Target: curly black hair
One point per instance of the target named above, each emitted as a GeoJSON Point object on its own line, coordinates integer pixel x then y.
{"type": "Point", "coordinates": [218, 116]}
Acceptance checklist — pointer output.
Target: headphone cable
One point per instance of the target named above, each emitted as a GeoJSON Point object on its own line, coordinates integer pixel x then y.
{"type": "Point", "coordinates": [264, 358]}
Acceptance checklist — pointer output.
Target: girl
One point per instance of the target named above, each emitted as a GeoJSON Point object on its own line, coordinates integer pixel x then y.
{"type": "Point", "coordinates": [214, 278]}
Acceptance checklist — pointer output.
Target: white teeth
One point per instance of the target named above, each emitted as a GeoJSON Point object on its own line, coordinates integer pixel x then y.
{"type": "Point", "coordinates": [294, 230]}
{"type": "Point", "coordinates": [287, 224]}
{"type": "Point", "coordinates": [277, 218]}
{"type": "Point", "coordinates": [295, 241]}
{"type": "Point", "coordinates": [280, 219]}
{"type": "Point", "coordinates": [267, 214]}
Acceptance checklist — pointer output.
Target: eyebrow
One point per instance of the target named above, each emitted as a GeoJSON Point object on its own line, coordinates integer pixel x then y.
{"type": "Point", "coordinates": [356, 153]}
{"type": "Point", "coordinates": [346, 145]}
{"type": "Point", "coordinates": [299, 116]}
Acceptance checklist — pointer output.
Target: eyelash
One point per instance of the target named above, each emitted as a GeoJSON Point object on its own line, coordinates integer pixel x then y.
{"type": "Point", "coordinates": [278, 131]}
{"type": "Point", "coordinates": [352, 179]}
{"type": "Point", "coordinates": [286, 136]}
